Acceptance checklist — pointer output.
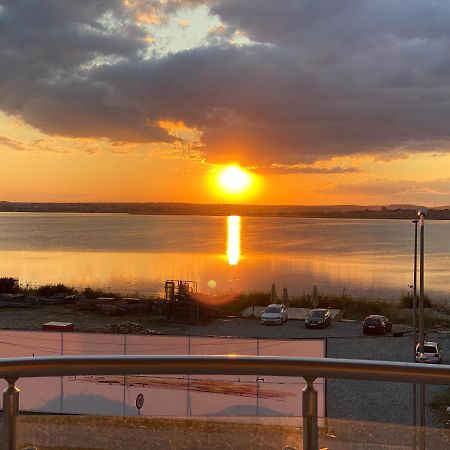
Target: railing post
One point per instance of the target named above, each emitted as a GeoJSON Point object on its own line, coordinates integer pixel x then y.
{"type": "Point", "coordinates": [10, 413]}
{"type": "Point", "coordinates": [309, 406]}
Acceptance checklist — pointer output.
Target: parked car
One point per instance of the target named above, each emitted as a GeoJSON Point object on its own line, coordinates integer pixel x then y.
{"type": "Point", "coordinates": [377, 325]}
{"type": "Point", "coordinates": [432, 353]}
{"type": "Point", "coordinates": [318, 318]}
{"type": "Point", "coordinates": [274, 315]}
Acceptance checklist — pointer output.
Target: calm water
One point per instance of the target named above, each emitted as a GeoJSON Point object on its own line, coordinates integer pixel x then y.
{"type": "Point", "coordinates": [373, 258]}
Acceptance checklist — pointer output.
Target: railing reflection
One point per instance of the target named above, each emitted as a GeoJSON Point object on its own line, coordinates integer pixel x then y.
{"type": "Point", "coordinates": [12, 369]}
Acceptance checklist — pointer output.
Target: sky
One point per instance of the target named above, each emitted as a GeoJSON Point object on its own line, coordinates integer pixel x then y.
{"type": "Point", "coordinates": [322, 101]}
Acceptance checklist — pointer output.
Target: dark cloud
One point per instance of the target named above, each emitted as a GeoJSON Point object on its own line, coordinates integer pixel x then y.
{"type": "Point", "coordinates": [322, 77]}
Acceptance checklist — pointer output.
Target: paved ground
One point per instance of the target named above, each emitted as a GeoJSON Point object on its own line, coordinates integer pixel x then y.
{"type": "Point", "coordinates": [362, 400]}
{"type": "Point", "coordinates": [294, 313]}
{"type": "Point", "coordinates": [351, 399]}
{"type": "Point", "coordinates": [369, 400]}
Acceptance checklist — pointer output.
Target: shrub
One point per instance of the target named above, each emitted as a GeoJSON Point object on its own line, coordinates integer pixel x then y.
{"type": "Point", "coordinates": [9, 285]}
{"type": "Point", "coordinates": [48, 290]}
{"type": "Point", "coordinates": [406, 301]}
{"type": "Point", "coordinates": [439, 403]}
{"type": "Point", "coordinates": [96, 293]}
{"type": "Point", "coordinates": [242, 301]}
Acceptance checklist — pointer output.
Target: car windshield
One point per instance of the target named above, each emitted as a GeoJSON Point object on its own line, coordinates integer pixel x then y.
{"type": "Point", "coordinates": [317, 315]}
{"type": "Point", "coordinates": [372, 321]}
{"type": "Point", "coordinates": [273, 309]}
{"type": "Point", "coordinates": [430, 349]}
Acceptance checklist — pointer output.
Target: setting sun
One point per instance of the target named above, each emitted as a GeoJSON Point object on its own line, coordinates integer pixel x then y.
{"type": "Point", "coordinates": [234, 180]}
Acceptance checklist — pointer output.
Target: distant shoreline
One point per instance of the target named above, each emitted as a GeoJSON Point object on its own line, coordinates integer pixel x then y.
{"type": "Point", "coordinates": [294, 211]}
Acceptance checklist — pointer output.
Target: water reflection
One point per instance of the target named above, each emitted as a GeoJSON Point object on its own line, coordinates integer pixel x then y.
{"type": "Point", "coordinates": [233, 239]}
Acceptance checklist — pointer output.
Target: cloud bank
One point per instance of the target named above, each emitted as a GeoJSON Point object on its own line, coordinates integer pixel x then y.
{"type": "Point", "coordinates": [319, 79]}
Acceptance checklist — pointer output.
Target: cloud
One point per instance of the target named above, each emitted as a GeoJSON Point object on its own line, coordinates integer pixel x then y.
{"type": "Point", "coordinates": [285, 169]}
{"type": "Point", "coordinates": [389, 156]}
{"type": "Point", "coordinates": [319, 78]}
{"type": "Point", "coordinates": [36, 145]}
{"type": "Point", "coordinates": [437, 189]}
{"type": "Point", "coordinates": [12, 143]}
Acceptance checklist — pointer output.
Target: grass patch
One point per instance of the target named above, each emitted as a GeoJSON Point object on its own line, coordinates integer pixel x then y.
{"type": "Point", "coordinates": [439, 403]}
{"type": "Point", "coordinates": [97, 293]}
{"type": "Point", "coordinates": [48, 290]}
{"type": "Point", "coordinates": [353, 308]}
{"type": "Point", "coordinates": [406, 301]}
{"type": "Point", "coordinates": [242, 301]}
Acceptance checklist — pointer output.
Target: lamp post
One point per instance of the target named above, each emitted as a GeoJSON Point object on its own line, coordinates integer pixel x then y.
{"type": "Point", "coordinates": [414, 334]}
{"type": "Point", "coordinates": [421, 213]}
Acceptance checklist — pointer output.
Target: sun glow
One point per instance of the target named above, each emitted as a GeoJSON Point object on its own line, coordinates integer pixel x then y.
{"type": "Point", "coordinates": [233, 239]}
{"type": "Point", "coordinates": [234, 180]}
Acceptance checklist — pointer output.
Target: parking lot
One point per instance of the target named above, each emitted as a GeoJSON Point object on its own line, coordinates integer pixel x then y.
{"type": "Point", "coordinates": [351, 399]}
{"type": "Point", "coordinates": [360, 400]}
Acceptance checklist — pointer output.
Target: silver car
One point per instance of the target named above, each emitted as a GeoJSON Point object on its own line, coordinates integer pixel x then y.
{"type": "Point", "coordinates": [274, 315]}
{"type": "Point", "coordinates": [432, 353]}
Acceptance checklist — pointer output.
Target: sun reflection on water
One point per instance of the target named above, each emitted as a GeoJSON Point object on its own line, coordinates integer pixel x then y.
{"type": "Point", "coordinates": [233, 239]}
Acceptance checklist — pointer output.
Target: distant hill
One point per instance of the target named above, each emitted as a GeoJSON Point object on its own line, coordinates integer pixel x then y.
{"type": "Point", "coordinates": [336, 211]}
{"type": "Point", "coordinates": [406, 206]}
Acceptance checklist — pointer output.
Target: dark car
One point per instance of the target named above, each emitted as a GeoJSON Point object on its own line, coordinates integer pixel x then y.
{"type": "Point", "coordinates": [318, 318]}
{"type": "Point", "coordinates": [376, 325]}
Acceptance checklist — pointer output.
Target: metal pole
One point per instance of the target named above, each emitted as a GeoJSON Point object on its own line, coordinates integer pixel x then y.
{"type": "Point", "coordinates": [188, 387]}
{"type": "Point", "coordinates": [414, 333]}
{"type": "Point", "coordinates": [257, 380]}
{"type": "Point", "coordinates": [422, 443]}
{"type": "Point", "coordinates": [309, 406]}
{"type": "Point", "coordinates": [125, 377]}
{"type": "Point", "coordinates": [421, 327]}
{"type": "Point", "coordinates": [10, 413]}
{"type": "Point", "coordinates": [61, 402]}
{"type": "Point", "coordinates": [421, 298]}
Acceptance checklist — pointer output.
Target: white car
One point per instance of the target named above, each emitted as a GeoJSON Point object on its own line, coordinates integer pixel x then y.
{"type": "Point", "coordinates": [274, 314]}
{"type": "Point", "coordinates": [432, 353]}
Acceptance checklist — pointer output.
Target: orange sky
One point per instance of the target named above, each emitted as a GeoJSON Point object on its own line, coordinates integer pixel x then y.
{"type": "Point", "coordinates": [63, 169]}
{"type": "Point", "coordinates": [157, 97]}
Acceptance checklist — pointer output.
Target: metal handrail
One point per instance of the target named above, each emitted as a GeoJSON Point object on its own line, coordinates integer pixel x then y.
{"type": "Point", "coordinates": [12, 369]}
{"type": "Point", "coordinates": [223, 365]}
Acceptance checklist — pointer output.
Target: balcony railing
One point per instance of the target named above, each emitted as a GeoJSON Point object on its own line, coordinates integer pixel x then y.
{"type": "Point", "coordinates": [12, 369]}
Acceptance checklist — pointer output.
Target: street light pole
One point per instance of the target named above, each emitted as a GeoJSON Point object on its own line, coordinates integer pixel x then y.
{"type": "Point", "coordinates": [414, 333]}
{"type": "Point", "coordinates": [421, 213]}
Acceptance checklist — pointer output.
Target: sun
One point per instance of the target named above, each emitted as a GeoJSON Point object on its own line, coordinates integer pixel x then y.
{"type": "Point", "coordinates": [234, 180]}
